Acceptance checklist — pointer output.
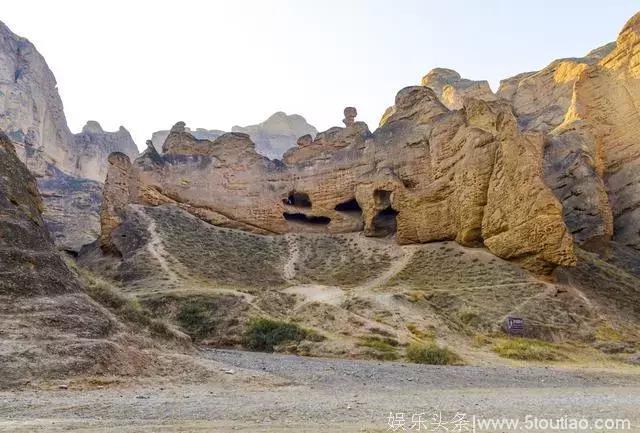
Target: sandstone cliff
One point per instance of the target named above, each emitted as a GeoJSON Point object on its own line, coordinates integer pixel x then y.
{"type": "Point", "coordinates": [541, 99]}
{"type": "Point", "coordinates": [604, 119]}
{"type": "Point", "coordinates": [31, 110]}
{"type": "Point", "coordinates": [451, 88]}
{"type": "Point", "coordinates": [70, 168]}
{"type": "Point", "coordinates": [428, 174]}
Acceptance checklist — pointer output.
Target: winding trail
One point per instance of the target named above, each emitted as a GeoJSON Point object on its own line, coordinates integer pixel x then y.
{"type": "Point", "coordinates": [155, 247]}
{"type": "Point", "coordinates": [294, 256]}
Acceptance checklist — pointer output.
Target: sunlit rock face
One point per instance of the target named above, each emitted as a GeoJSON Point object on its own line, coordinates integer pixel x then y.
{"type": "Point", "coordinates": [451, 88]}
{"type": "Point", "coordinates": [541, 99]}
{"type": "Point", "coordinates": [605, 109]}
{"type": "Point", "coordinates": [428, 174]}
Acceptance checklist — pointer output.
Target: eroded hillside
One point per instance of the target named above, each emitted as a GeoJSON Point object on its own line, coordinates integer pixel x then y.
{"type": "Point", "coordinates": [365, 297]}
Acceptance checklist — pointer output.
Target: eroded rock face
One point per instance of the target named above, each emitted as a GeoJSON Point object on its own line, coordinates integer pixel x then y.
{"type": "Point", "coordinates": [94, 145]}
{"type": "Point", "coordinates": [605, 104]}
{"type": "Point", "coordinates": [72, 208]}
{"type": "Point", "coordinates": [50, 328]}
{"type": "Point", "coordinates": [451, 88]}
{"type": "Point", "coordinates": [158, 138]}
{"type": "Point", "coordinates": [31, 110]}
{"type": "Point", "coordinates": [541, 99]}
{"type": "Point", "coordinates": [426, 175]}
{"type": "Point", "coordinates": [69, 168]}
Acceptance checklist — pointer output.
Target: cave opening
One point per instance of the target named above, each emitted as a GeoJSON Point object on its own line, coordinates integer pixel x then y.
{"type": "Point", "coordinates": [297, 199]}
{"type": "Point", "coordinates": [306, 219]}
{"type": "Point", "coordinates": [385, 222]}
{"type": "Point", "coordinates": [349, 206]}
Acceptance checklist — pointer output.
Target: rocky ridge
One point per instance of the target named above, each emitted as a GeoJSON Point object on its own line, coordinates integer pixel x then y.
{"type": "Point", "coordinates": [50, 327]}
{"type": "Point", "coordinates": [70, 167]}
{"type": "Point", "coordinates": [428, 174]}
{"type": "Point", "coordinates": [272, 138]}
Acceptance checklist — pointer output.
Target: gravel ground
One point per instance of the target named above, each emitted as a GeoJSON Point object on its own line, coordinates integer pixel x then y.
{"type": "Point", "coordinates": [282, 393]}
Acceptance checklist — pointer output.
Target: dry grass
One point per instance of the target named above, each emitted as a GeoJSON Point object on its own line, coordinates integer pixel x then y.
{"type": "Point", "coordinates": [525, 349]}
{"type": "Point", "coordinates": [431, 354]}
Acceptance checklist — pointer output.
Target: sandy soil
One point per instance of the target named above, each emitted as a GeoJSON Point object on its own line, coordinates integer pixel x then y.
{"type": "Point", "coordinates": [258, 392]}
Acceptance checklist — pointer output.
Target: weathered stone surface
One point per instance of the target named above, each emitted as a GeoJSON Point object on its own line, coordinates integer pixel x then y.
{"type": "Point", "coordinates": [158, 138]}
{"type": "Point", "coordinates": [425, 176]}
{"type": "Point", "coordinates": [51, 329]}
{"type": "Point", "coordinates": [32, 115]}
{"type": "Point", "coordinates": [94, 145]}
{"type": "Point", "coordinates": [72, 208]}
{"type": "Point", "coordinates": [541, 99]}
{"type": "Point", "coordinates": [451, 88]}
{"type": "Point", "coordinates": [605, 103]}
{"type": "Point", "coordinates": [575, 176]}
{"type": "Point", "coordinates": [116, 195]}
{"type": "Point", "coordinates": [30, 107]}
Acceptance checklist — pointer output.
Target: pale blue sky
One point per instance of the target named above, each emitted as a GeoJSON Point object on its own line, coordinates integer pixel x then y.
{"type": "Point", "coordinates": [214, 64]}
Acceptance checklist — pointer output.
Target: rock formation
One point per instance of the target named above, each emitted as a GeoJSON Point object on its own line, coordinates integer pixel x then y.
{"type": "Point", "coordinates": [541, 99]}
{"type": "Point", "coordinates": [604, 122]}
{"type": "Point", "coordinates": [31, 110]}
{"type": "Point", "coordinates": [272, 138]}
{"type": "Point", "coordinates": [451, 88]}
{"type": "Point", "coordinates": [428, 174]}
{"type": "Point", "coordinates": [50, 327]}
{"type": "Point", "coordinates": [70, 168]}
{"type": "Point", "coordinates": [158, 137]}
{"type": "Point", "coordinates": [94, 145]}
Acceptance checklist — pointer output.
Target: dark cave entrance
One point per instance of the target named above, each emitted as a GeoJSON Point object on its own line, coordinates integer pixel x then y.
{"type": "Point", "coordinates": [384, 223]}
{"type": "Point", "coordinates": [350, 206]}
{"type": "Point", "coordinates": [305, 219]}
{"type": "Point", "coordinates": [297, 199]}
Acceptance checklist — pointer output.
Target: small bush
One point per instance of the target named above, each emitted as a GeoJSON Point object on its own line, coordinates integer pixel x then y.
{"type": "Point", "coordinates": [384, 349]}
{"type": "Point", "coordinates": [128, 309]}
{"type": "Point", "coordinates": [264, 334]}
{"type": "Point", "coordinates": [197, 319]}
{"type": "Point", "coordinates": [527, 350]}
{"type": "Point", "coordinates": [431, 354]}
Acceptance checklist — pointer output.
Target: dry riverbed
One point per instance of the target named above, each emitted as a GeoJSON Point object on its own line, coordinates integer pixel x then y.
{"type": "Point", "coordinates": [256, 392]}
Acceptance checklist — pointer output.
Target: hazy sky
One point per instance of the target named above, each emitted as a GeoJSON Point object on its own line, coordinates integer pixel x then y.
{"type": "Point", "coordinates": [214, 64]}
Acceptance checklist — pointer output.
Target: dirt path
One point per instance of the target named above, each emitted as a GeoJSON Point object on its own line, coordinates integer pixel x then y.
{"type": "Point", "coordinates": [294, 254]}
{"type": "Point", "coordinates": [395, 268]}
{"type": "Point", "coordinates": [324, 395]}
{"type": "Point", "coordinates": [155, 246]}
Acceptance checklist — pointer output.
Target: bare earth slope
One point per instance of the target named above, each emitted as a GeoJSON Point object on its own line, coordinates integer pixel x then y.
{"type": "Point", "coordinates": [357, 291]}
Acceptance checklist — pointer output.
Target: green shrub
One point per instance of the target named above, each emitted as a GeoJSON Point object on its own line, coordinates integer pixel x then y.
{"type": "Point", "coordinates": [128, 309]}
{"type": "Point", "coordinates": [384, 348]}
{"type": "Point", "coordinates": [264, 334]}
{"type": "Point", "coordinates": [526, 349]}
{"type": "Point", "coordinates": [431, 354]}
{"type": "Point", "coordinates": [197, 319]}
